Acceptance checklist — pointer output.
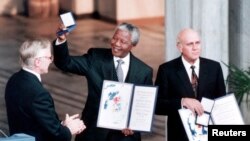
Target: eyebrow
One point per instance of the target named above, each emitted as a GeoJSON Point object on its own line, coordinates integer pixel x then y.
{"type": "Point", "coordinates": [196, 42]}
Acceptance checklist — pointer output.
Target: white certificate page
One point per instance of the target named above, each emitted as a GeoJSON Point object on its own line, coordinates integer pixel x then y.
{"type": "Point", "coordinates": [143, 108]}
{"type": "Point", "coordinates": [114, 105]}
{"type": "Point", "coordinates": [67, 19]}
{"type": "Point", "coordinates": [207, 104]}
{"type": "Point", "coordinates": [226, 111]}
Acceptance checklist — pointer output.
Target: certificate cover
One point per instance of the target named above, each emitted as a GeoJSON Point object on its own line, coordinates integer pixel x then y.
{"type": "Point", "coordinates": [68, 21]}
{"type": "Point", "coordinates": [194, 131]}
{"type": "Point", "coordinates": [125, 105]}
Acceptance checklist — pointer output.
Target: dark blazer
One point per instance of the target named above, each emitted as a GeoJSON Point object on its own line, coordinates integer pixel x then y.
{"type": "Point", "coordinates": [98, 65]}
{"type": "Point", "coordinates": [174, 84]}
{"type": "Point", "coordinates": [30, 109]}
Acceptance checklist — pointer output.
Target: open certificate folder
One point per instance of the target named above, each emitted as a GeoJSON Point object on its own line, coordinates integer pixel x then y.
{"type": "Point", "coordinates": [125, 105]}
{"type": "Point", "coordinates": [223, 111]}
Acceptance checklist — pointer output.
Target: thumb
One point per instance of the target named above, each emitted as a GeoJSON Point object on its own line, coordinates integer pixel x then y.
{"type": "Point", "coordinates": [74, 116]}
{"type": "Point", "coordinates": [66, 116]}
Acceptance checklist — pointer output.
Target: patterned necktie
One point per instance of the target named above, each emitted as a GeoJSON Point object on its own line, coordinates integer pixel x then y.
{"type": "Point", "coordinates": [194, 81]}
{"type": "Point", "coordinates": [119, 71]}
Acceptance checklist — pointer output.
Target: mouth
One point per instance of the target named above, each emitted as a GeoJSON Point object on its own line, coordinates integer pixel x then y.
{"type": "Point", "coordinates": [116, 49]}
{"type": "Point", "coordinates": [196, 53]}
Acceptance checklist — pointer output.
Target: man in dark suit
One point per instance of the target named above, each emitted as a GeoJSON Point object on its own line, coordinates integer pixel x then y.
{"type": "Point", "coordinates": [99, 64]}
{"type": "Point", "coordinates": [30, 107]}
{"type": "Point", "coordinates": [176, 87]}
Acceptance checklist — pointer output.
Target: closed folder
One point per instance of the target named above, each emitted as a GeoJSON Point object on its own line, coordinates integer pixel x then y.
{"type": "Point", "coordinates": [68, 21]}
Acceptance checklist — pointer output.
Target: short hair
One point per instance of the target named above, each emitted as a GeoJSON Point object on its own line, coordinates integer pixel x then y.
{"type": "Point", "coordinates": [30, 49]}
{"type": "Point", "coordinates": [133, 30]}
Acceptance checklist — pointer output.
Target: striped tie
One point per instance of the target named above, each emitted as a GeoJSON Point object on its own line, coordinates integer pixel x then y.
{"type": "Point", "coordinates": [194, 81]}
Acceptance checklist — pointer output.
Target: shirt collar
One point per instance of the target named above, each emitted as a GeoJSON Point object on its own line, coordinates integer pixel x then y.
{"type": "Point", "coordinates": [188, 65]}
{"type": "Point", "coordinates": [33, 72]}
{"type": "Point", "coordinates": [125, 59]}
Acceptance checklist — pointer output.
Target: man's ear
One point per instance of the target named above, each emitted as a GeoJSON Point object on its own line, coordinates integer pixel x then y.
{"type": "Point", "coordinates": [37, 62]}
{"type": "Point", "coordinates": [179, 47]}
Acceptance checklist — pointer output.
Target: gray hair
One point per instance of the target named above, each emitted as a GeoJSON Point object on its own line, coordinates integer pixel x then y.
{"type": "Point", "coordinates": [133, 30]}
{"type": "Point", "coordinates": [30, 49]}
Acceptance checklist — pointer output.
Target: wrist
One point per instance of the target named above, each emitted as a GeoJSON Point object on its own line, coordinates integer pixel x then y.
{"type": "Point", "coordinates": [61, 39]}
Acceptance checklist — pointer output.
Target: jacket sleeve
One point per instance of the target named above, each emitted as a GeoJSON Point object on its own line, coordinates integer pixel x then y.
{"type": "Point", "coordinates": [44, 112]}
{"type": "Point", "coordinates": [73, 64]}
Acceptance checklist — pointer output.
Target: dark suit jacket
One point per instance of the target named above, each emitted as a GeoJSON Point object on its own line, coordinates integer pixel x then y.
{"type": "Point", "coordinates": [30, 109]}
{"type": "Point", "coordinates": [174, 84]}
{"type": "Point", "coordinates": [98, 65]}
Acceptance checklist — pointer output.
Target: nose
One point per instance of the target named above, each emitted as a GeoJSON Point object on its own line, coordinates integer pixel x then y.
{"type": "Point", "coordinates": [117, 42]}
{"type": "Point", "coordinates": [195, 46]}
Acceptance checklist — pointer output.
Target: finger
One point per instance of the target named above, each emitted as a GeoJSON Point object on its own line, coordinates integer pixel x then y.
{"type": "Point", "coordinates": [131, 132]}
{"type": "Point", "coordinates": [61, 26]}
{"type": "Point", "coordinates": [199, 108]}
{"type": "Point", "coordinates": [125, 132]}
{"type": "Point", "coordinates": [192, 110]}
{"type": "Point", "coordinates": [66, 116]}
{"type": "Point", "coordinates": [83, 127]}
{"type": "Point", "coordinates": [200, 111]}
{"type": "Point", "coordinates": [74, 116]}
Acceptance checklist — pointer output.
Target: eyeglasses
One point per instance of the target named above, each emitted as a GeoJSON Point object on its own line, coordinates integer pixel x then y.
{"type": "Point", "coordinates": [51, 58]}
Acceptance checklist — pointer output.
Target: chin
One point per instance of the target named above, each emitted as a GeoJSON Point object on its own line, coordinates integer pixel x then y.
{"type": "Point", "coordinates": [116, 54]}
{"type": "Point", "coordinates": [45, 72]}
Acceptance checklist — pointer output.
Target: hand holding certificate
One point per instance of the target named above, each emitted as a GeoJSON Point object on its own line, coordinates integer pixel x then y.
{"type": "Point", "coordinates": [124, 105]}
{"type": "Point", "coordinates": [220, 111]}
{"type": "Point", "coordinates": [205, 117]}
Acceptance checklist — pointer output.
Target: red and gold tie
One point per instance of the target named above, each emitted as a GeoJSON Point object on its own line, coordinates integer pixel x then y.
{"type": "Point", "coordinates": [194, 81]}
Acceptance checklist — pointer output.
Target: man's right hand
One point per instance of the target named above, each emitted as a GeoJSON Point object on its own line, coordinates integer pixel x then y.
{"type": "Point", "coordinates": [74, 124]}
{"type": "Point", "coordinates": [193, 104]}
{"type": "Point", "coordinates": [62, 37]}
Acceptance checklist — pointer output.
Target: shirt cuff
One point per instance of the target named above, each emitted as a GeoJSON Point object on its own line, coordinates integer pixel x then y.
{"type": "Point", "coordinates": [182, 104]}
{"type": "Point", "coordinates": [60, 42]}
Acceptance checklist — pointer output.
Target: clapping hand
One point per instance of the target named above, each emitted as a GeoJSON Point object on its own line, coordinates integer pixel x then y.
{"type": "Point", "coordinates": [74, 124]}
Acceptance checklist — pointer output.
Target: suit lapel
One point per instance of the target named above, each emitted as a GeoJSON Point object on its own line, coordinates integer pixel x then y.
{"type": "Point", "coordinates": [132, 71]}
{"type": "Point", "coordinates": [108, 68]}
{"type": "Point", "coordinates": [109, 72]}
{"type": "Point", "coordinates": [183, 76]}
{"type": "Point", "coordinates": [203, 74]}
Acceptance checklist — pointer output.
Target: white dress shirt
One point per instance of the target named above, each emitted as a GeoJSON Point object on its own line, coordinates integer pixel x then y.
{"type": "Point", "coordinates": [125, 65]}
{"type": "Point", "coordinates": [188, 67]}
